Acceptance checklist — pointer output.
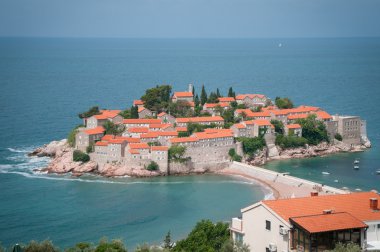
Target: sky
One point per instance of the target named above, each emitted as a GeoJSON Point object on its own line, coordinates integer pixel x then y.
{"type": "Point", "coordinates": [190, 18]}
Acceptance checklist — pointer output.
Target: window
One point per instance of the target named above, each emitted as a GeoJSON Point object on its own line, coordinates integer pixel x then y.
{"type": "Point", "coordinates": [267, 250]}
{"type": "Point", "coordinates": [267, 225]}
{"type": "Point", "coordinates": [378, 226]}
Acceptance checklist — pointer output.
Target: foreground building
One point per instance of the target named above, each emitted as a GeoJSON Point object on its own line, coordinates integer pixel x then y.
{"type": "Point", "coordinates": [310, 224]}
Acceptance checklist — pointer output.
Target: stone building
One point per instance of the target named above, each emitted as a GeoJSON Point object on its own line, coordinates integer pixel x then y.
{"type": "Point", "coordinates": [208, 120]}
{"type": "Point", "coordinates": [349, 127]}
{"type": "Point", "coordinates": [104, 116]}
{"type": "Point", "coordinates": [86, 137]}
{"type": "Point", "coordinates": [138, 103]}
{"type": "Point", "coordinates": [140, 122]}
{"type": "Point", "coordinates": [214, 108]}
{"type": "Point", "coordinates": [293, 130]}
{"type": "Point", "coordinates": [166, 118]}
{"type": "Point", "coordinates": [252, 100]}
{"type": "Point", "coordinates": [144, 112]}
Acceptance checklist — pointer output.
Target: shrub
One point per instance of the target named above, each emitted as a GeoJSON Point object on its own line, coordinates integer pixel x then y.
{"type": "Point", "coordinates": [278, 126]}
{"type": "Point", "coordinates": [79, 156]}
{"type": "Point", "coordinates": [176, 153]}
{"type": "Point", "coordinates": [71, 136]}
{"type": "Point", "coordinates": [106, 246]}
{"type": "Point", "coordinates": [237, 158]}
{"type": "Point", "coordinates": [284, 103]}
{"type": "Point", "coordinates": [290, 141]}
{"type": "Point", "coordinates": [92, 111]}
{"type": "Point", "coordinates": [349, 247]}
{"type": "Point", "coordinates": [251, 145]}
{"type": "Point", "coordinates": [234, 156]}
{"type": "Point", "coordinates": [90, 148]}
{"type": "Point", "coordinates": [153, 166]}
{"type": "Point", "coordinates": [313, 130]}
{"type": "Point", "coordinates": [46, 246]}
{"type": "Point", "coordinates": [338, 137]}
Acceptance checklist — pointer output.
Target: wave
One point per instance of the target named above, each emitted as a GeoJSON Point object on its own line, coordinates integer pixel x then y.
{"type": "Point", "coordinates": [21, 150]}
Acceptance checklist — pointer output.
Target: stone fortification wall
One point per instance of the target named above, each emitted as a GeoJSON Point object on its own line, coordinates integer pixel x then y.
{"type": "Point", "coordinates": [190, 167]}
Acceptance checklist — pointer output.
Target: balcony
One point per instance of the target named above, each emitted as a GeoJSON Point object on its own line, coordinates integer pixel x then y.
{"type": "Point", "coordinates": [237, 225]}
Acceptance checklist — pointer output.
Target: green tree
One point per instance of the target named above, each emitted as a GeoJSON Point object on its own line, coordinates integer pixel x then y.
{"type": "Point", "coordinates": [287, 142]}
{"type": "Point", "coordinates": [278, 126]}
{"type": "Point", "coordinates": [168, 244]}
{"type": "Point", "coordinates": [213, 98]}
{"type": "Point", "coordinates": [234, 105]}
{"type": "Point", "coordinates": [90, 148]}
{"type": "Point", "coordinates": [176, 153]}
{"type": "Point", "coordinates": [228, 115]}
{"type": "Point", "coordinates": [338, 137]}
{"type": "Point", "coordinates": [181, 109]}
{"type": "Point", "coordinates": [112, 128]}
{"type": "Point", "coordinates": [205, 236]}
{"type": "Point", "coordinates": [203, 95]}
{"type": "Point", "coordinates": [196, 101]}
{"type": "Point", "coordinates": [230, 246]}
{"type": "Point", "coordinates": [284, 103]}
{"type": "Point", "coordinates": [218, 93]}
{"type": "Point", "coordinates": [92, 111]}
{"type": "Point", "coordinates": [193, 91]}
{"type": "Point", "coordinates": [126, 114]}
{"type": "Point", "coordinates": [231, 92]}
{"type": "Point", "coordinates": [251, 145]}
{"type": "Point", "coordinates": [349, 247]}
{"type": "Point", "coordinates": [134, 112]}
{"type": "Point", "coordinates": [108, 246]}
{"type": "Point", "coordinates": [44, 246]}
{"type": "Point", "coordinates": [79, 156]}
{"type": "Point", "coordinates": [157, 98]}
{"type": "Point", "coordinates": [153, 166]}
{"type": "Point", "coordinates": [313, 130]}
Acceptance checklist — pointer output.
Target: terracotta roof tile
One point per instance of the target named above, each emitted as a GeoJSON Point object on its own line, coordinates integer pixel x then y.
{"type": "Point", "coordinates": [94, 131]}
{"type": "Point", "coordinates": [183, 94]}
{"type": "Point", "coordinates": [160, 148]}
{"type": "Point", "coordinates": [293, 126]}
{"type": "Point", "coordinates": [200, 119]}
{"type": "Point", "coordinates": [139, 146]}
{"type": "Point", "coordinates": [226, 99]}
{"type": "Point", "coordinates": [141, 121]}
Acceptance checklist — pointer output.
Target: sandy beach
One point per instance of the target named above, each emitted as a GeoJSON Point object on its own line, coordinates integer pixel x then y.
{"type": "Point", "coordinates": [282, 186]}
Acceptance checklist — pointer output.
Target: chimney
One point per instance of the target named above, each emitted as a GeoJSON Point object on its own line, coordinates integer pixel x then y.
{"type": "Point", "coordinates": [373, 203]}
{"type": "Point", "coordinates": [314, 194]}
{"type": "Point", "coordinates": [327, 211]}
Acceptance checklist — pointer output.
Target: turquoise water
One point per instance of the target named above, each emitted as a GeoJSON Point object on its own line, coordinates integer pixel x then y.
{"type": "Point", "coordinates": [45, 83]}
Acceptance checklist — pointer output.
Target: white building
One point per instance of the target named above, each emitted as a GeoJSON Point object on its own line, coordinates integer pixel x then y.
{"type": "Point", "coordinates": [313, 223]}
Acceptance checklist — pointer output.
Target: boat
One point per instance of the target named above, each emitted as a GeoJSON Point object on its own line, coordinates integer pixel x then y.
{"type": "Point", "coordinates": [336, 181]}
{"type": "Point", "coordinates": [325, 173]}
{"type": "Point", "coordinates": [358, 189]}
{"type": "Point", "coordinates": [378, 172]}
{"type": "Point", "coordinates": [356, 167]}
{"type": "Point", "coordinates": [356, 161]}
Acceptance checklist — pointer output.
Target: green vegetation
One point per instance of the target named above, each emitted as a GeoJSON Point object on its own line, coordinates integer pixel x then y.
{"type": "Point", "coordinates": [132, 113]}
{"type": "Point", "coordinates": [45, 246]}
{"type": "Point", "coordinates": [71, 136]}
{"type": "Point", "coordinates": [113, 129]}
{"type": "Point", "coordinates": [206, 236]}
{"type": "Point", "coordinates": [157, 98]}
{"type": "Point", "coordinates": [231, 92]}
{"type": "Point", "coordinates": [203, 95]}
{"type": "Point", "coordinates": [196, 127]}
{"type": "Point", "coordinates": [180, 109]}
{"type": "Point", "coordinates": [313, 130]}
{"type": "Point", "coordinates": [234, 156]}
{"type": "Point", "coordinates": [229, 246]}
{"type": "Point", "coordinates": [338, 137]}
{"type": "Point", "coordinates": [213, 98]}
{"type": "Point", "coordinates": [154, 144]}
{"type": "Point", "coordinates": [79, 156]}
{"type": "Point", "coordinates": [90, 148]}
{"type": "Point", "coordinates": [92, 111]}
{"type": "Point", "coordinates": [278, 126]}
{"type": "Point", "coordinates": [286, 142]}
{"type": "Point", "coordinates": [252, 145]}
{"type": "Point", "coordinates": [176, 153]}
{"type": "Point", "coordinates": [349, 247]}
{"type": "Point", "coordinates": [284, 103]}
{"type": "Point", "coordinates": [168, 244]}
{"type": "Point", "coordinates": [153, 166]}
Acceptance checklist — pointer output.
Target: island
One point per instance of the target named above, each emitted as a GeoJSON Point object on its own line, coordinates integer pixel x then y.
{"type": "Point", "coordinates": [168, 133]}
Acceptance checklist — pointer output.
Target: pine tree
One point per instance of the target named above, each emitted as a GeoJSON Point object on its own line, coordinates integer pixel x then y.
{"type": "Point", "coordinates": [134, 112]}
{"type": "Point", "coordinates": [193, 90]}
{"type": "Point", "coordinates": [196, 101]}
{"type": "Point", "coordinates": [218, 93]}
{"type": "Point", "coordinates": [168, 241]}
{"type": "Point", "coordinates": [203, 96]}
{"type": "Point", "coordinates": [231, 92]}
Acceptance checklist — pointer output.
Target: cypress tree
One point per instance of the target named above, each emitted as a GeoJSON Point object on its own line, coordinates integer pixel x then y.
{"type": "Point", "coordinates": [203, 96]}
{"type": "Point", "coordinates": [196, 101]}
{"type": "Point", "coordinates": [231, 92]}
{"type": "Point", "coordinates": [218, 93]}
{"type": "Point", "coordinates": [134, 112]}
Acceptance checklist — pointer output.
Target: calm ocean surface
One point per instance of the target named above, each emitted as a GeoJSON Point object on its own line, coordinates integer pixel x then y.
{"type": "Point", "coordinates": [45, 83]}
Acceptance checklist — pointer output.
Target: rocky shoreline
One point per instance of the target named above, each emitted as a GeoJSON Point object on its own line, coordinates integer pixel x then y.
{"type": "Point", "coordinates": [61, 155]}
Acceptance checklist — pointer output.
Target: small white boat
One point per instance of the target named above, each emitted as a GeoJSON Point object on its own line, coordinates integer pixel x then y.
{"type": "Point", "coordinates": [356, 167]}
{"type": "Point", "coordinates": [336, 181]}
{"type": "Point", "coordinates": [378, 172]}
{"type": "Point", "coordinates": [356, 161]}
{"type": "Point", "coordinates": [358, 189]}
{"type": "Point", "coordinates": [325, 173]}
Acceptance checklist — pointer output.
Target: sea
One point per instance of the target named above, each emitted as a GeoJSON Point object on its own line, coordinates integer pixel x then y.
{"type": "Point", "coordinates": [46, 82]}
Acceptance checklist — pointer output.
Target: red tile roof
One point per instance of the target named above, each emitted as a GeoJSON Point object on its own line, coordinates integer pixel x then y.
{"type": "Point", "coordinates": [138, 102]}
{"type": "Point", "coordinates": [239, 125]}
{"type": "Point", "coordinates": [141, 109]}
{"type": "Point", "coordinates": [167, 133]}
{"type": "Point", "coordinates": [356, 204]}
{"type": "Point", "coordinates": [183, 139]}
{"type": "Point", "coordinates": [160, 148]}
{"type": "Point", "coordinates": [250, 96]}
{"type": "Point", "coordinates": [105, 114]}
{"type": "Point", "coordinates": [260, 122]}
{"type": "Point", "coordinates": [94, 131]}
{"type": "Point", "coordinates": [141, 121]}
{"type": "Point", "coordinates": [200, 119]}
{"type": "Point", "coordinates": [328, 222]}
{"type": "Point", "coordinates": [183, 94]}
{"type": "Point", "coordinates": [297, 116]}
{"type": "Point", "coordinates": [206, 135]}
{"type": "Point", "coordinates": [101, 143]}
{"type": "Point", "coordinates": [134, 151]}
{"type": "Point", "coordinates": [323, 115]}
{"type": "Point", "coordinates": [214, 105]}
{"type": "Point", "coordinates": [293, 126]}
{"type": "Point", "coordinates": [226, 99]}
{"type": "Point", "coordinates": [149, 135]}
{"type": "Point", "coordinates": [139, 146]}
{"type": "Point", "coordinates": [181, 129]}
{"type": "Point", "coordinates": [138, 130]}
{"type": "Point", "coordinates": [161, 114]}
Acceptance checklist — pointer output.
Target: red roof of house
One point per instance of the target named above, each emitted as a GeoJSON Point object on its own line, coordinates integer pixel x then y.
{"type": "Point", "coordinates": [134, 151]}
{"type": "Point", "coordinates": [260, 122]}
{"type": "Point", "coordinates": [183, 139]}
{"type": "Point", "coordinates": [105, 114]}
{"type": "Point", "coordinates": [356, 204]}
{"type": "Point", "coordinates": [200, 119]}
{"type": "Point", "coordinates": [141, 121]}
{"type": "Point", "coordinates": [323, 115]}
{"type": "Point", "coordinates": [101, 143]}
{"type": "Point", "coordinates": [159, 125]}
{"type": "Point", "coordinates": [183, 94]}
{"type": "Point", "coordinates": [94, 131]}
{"type": "Point", "coordinates": [160, 148]}
{"type": "Point", "coordinates": [250, 113]}
{"type": "Point", "coordinates": [149, 135]}
{"type": "Point", "coordinates": [297, 116]}
{"type": "Point", "coordinates": [167, 133]}
{"type": "Point", "coordinates": [328, 222]}
{"type": "Point", "coordinates": [239, 125]}
{"type": "Point", "coordinates": [250, 96]}
{"type": "Point", "coordinates": [161, 114]}
{"type": "Point", "coordinates": [211, 135]}
{"type": "Point", "coordinates": [226, 99]}
{"type": "Point", "coordinates": [139, 146]}
{"type": "Point", "coordinates": [141, 109]}
{"type": "Point", "coordinates": [138, 102]}
{"type": "Point", "coordinates": [293, 126]}
{"type": "Point", "coordinates": [214, 105]}
{"type": "Point", "coordinates": [181, 129]}
{"type": "Point", "coordinates": [107, 137]}
{"type": "Point", "coordinates": [138, 130]}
